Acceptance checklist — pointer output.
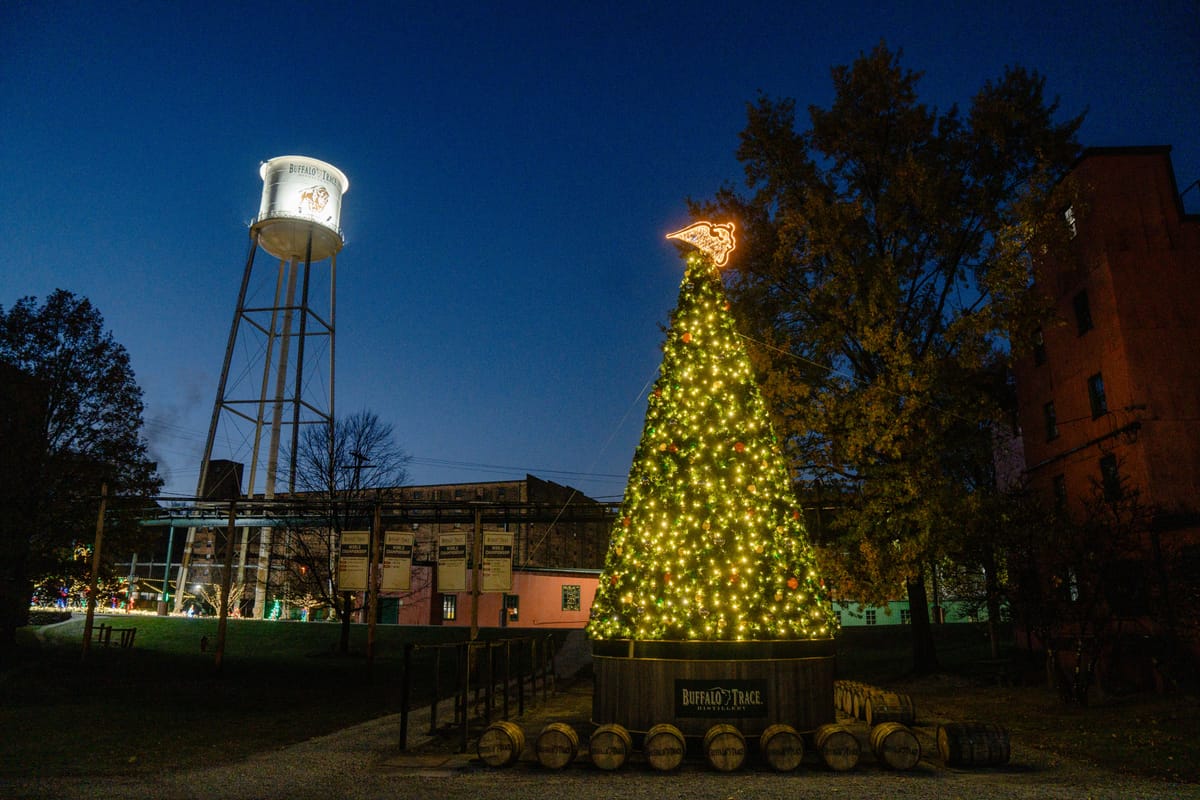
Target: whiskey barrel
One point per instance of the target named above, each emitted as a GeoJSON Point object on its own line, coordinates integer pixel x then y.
{"type": "Point", "coordinates": [973, 744]}
{"type": "Point", "coordinates": [724, 748]}
{"type": "Point", "coordinates": [557, 745]}
{"type": "Point", "coordinates": [895, 745]}
{"type": "Point", "coordinates": [890, 707]}
{"type": "Point", "coordinates": [500, 745]}
{"type": "Point", "coordinates": [838, 747]}
{"type": "Point", "coordinates": [840, 689]}
{"type": "Point", "coordinates": [781, 747]}
{"type": "Point", "coordinates": [665, 747]}
{"type": "Point", "coordinates": [609, 746]}
{"type": "Point", "coordinates": [858, 700]}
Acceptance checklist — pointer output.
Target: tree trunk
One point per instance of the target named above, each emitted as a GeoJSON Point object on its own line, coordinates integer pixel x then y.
{"type": "Point", "coordinates": [924, 652]}
{"type": "Point", "coordinates": [992, 587]}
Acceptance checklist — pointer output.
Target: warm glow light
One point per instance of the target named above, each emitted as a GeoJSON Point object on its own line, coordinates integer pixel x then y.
{"type": "Point", "coordinates": [709, 543]}
{"type": "Point", "coordinates": [714, 239]}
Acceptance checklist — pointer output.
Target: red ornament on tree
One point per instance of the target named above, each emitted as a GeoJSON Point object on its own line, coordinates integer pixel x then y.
{"type": "Point", "coordinates": [739, 446]}
{"type": "Point", "coordinates": [666, 577]}
{"type": "Point", "coordinates": [687, 337]}
{"type": "Point", "coordinates": [793, 583]}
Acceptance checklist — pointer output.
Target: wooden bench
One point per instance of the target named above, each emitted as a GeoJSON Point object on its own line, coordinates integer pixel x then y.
{"type": "Point", "coordinates": [102, 634]}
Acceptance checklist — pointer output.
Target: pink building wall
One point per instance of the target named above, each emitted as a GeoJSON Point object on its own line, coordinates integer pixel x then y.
{"type": "Point", "coordinates": [540, 601]}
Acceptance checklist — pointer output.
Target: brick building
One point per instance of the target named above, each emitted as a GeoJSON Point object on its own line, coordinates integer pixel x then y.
{"type": "Point", "coordinates": [1109, 397]}
{"type": "Point", "coordinates": [560, 538]}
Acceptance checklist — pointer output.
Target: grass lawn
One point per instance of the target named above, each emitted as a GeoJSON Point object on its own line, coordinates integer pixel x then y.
{"type": "Point", "coordinates": [161, 704]}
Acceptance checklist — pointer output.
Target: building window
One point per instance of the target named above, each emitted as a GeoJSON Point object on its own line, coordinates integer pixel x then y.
{"type": "Point", "coordinates": [1069, 217]}
{"type": "Point", "coordinates": [870, 615]}
{"type": "Point", "coordinates": [1110, 477]}
{"type": "Point", "coordinates": [839, 615]}
{"type": "Point", "coordinates": [906, 616]}
{"type": "Point", "coordinates": [1051, 421]}
{"type": "Point", "coordinates": [571, 597]}
{"type": "Point", "coordinates": [449, 606]}
{"type": "Point", "coordinates": [1039, 347]}
{"type": "Point", "coordinates": [1096, 396]}
{"type": "Point", "coordinates": [1083, 313]}
{"type": "Point", "coordinates": [512, 607]}
{"type": "Point", "coordinates": [1060, 492]}
{"type": "Point", "coordinates": [417, 494]}
{"type": "Point", "coordinates": [458, 494]}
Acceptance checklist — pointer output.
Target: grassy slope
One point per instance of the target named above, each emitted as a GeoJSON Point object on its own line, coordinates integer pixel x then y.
{"type": "Point", "coordinates": [161, 703]}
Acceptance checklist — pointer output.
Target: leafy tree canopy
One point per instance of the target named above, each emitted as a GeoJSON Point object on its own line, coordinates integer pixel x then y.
{"type": "Point", "coordinates": [88, 417]}
{"type": "Point", "coordinates": [886, 269]}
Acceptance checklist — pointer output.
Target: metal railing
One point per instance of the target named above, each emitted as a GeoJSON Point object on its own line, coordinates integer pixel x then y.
{"type": "Point", "coordinates": [486, 675]}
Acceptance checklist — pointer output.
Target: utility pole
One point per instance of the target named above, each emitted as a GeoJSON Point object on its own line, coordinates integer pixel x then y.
{"type": "Point", "coordinates": [373, 584]}
{"type": "Point", "coordinates": [476, 566]}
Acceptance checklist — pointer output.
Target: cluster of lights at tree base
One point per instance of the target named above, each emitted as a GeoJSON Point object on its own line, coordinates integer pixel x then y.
{"type": "Point", "coordinates": [710, 543]}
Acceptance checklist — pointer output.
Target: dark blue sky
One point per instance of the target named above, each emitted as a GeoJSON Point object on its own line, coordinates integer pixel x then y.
{"type": "Point", "coordinates": [513, 170]}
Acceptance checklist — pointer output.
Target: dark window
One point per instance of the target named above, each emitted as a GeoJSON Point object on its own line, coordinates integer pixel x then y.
{"type": "Point", "coordinates": [905, 616]}
{"type": "Point", "coordinates": [870, 616]}
{"type": "Point", "coordinates": [458, 494]}
{"type": "Point", "coordinates": [1060, 492]}
{"type": "Point", "coordinates": [1051, 421]}
{"type": "Point", "coordinates": [449, 606]}
{"type": "Point", "coordinates": [1110, 477]}
{"type": "Point", "coordinates": [1083, 313]}
{"type": "Point", "coordinates": [417, 494]}
{"type": "Point", "coordinates": [512, 607]}
{"type": "Point", "coordinates": [1039, 347]}
{"type": "Point", "coordinates": [1096, 396]}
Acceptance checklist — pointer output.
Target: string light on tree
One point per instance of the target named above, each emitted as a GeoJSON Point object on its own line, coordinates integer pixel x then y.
{"type": "Point", "coordinates": [710, 543]}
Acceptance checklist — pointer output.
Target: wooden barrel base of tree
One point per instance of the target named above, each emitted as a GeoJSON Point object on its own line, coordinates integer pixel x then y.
{"type": "Point", "coordinates": [609, 746]}
{"type": "Point", "coordinates": [895, 746]}
{"type": "Point", "coordinates": [500, 745]}
{"type": "Point", "coordinates": [557, 745]}
{"type": "Point", "coordinates": [782, 747]}
{"type": "Point", "coordinates": [698, 684]}
{"type": "Point", "coordinates": [838, 747]}
{"type": "Point", "coordinates": [973, 744]}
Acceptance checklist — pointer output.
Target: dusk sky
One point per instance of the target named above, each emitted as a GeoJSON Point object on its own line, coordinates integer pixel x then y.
{"type": "Point", "coordinates": [513, 170]}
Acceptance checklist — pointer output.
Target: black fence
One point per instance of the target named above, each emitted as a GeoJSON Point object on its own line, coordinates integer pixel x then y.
{"type": "Point", "coordinates": [489, 679]}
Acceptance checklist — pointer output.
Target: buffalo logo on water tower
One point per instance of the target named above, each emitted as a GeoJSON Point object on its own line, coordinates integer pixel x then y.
{"type": "Point", "coordinates": [313, 199]}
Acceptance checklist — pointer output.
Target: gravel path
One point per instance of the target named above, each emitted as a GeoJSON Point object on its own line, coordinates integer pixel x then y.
{"type": "Point", "coordinates": [365, 762]}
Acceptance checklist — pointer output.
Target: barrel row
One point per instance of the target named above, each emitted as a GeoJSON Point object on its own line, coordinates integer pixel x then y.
{"type": "Point", "coordinates": [781, 746]}
{"type": "Point", "coordinates": [724, 746]}
{"type": "Point", "coordinates": [873, 704]}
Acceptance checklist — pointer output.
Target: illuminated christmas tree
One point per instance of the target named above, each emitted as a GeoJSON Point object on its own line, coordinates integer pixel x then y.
{"type": "Point", "coordinates": [710, 542]}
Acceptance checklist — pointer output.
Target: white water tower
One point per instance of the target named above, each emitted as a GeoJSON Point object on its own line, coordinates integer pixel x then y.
{"type": "Point", "coordinates": [278, 373]}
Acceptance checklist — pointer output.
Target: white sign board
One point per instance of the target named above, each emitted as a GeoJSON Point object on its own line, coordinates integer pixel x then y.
{"type": "Point", "coordinates": [497, 562]}
{"type": "Point", "coordinates": [397, 562]}
{"type": "Point", "coordinates": [452, 562]}
{"type": "Point", "coordinates": [353, 559]}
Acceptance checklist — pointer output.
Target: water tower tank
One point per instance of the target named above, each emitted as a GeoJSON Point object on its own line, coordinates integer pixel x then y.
{"type": "Point", "coordinates": [300, 196]}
